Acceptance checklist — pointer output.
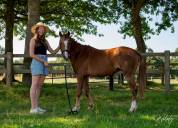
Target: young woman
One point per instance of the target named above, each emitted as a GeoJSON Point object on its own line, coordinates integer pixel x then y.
{"type": "Point", "coordinates": [39, 66]}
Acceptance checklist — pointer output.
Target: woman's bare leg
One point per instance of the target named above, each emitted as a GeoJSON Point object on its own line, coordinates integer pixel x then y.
{"type": "Point", "coordinates": [41, 82]}
{"type": "Point", "coordinates": [33, 91]}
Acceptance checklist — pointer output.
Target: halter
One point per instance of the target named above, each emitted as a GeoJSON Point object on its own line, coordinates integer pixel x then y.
{"type": "Point", "coordinates": [63, 52]}
{"type": "Point", "coordinates": [66, 51]}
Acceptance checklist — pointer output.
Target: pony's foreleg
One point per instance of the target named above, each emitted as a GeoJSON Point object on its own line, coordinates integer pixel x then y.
{"type": "Point", "coordinates": [87, 93]}
{"type": "Point", "coordinates": [133, 88]}
{"type": "Point", "coordinates": [79, 92]}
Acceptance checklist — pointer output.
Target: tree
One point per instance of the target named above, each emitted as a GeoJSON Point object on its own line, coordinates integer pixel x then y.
{"type": "Point", "coordinates": [13, 14]}
{"type": "Point", "coordinates": [71, 16]}
{"type": "Point", "coordinates": [19, 11]}
{"type": "Point", "coordinates": [60, 14]}
{"type": "Point", "coordinates": [9, 23]}
{"type": "Point", "coordinates": [79, 16]}
{"type": "Point", "coordinates": [33, 18]}
{"type": "Point", "coordinates": [136, 16]}
{"type": "Point", "coordinates": [8, 18]}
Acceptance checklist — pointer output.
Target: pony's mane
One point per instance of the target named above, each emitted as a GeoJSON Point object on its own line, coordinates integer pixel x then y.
{"type": "Point", "coordinates": [72, 40]}
{"type": "Point", "coordinates": [77, 44]}
{"type": "Point", "coordinates": [76, 49]}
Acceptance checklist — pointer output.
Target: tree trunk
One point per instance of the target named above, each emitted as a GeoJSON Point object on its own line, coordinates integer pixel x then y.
{"type": "Point", "coordinates": [33, 18]}
{"type": "Point", "coordinates": [141, 47]}
{"type": "Point", "coordinates": [9, 21]}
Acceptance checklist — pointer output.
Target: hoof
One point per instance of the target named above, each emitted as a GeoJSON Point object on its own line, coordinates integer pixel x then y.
{"type": "Point", "coordinates": [133, 106]}
{"type": "Point", "coordinates": [75, 109]}
{"type": "Point", "coordinates": [90, 107]}
{"type": "Point", "coordinates": [132, 110]}
{"type": "Point", "coordinates": [142, 98]}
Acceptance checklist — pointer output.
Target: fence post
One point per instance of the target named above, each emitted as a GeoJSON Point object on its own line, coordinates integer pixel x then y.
{"type": "Point", "coordinates": [52, 78]}
{"type": "Point", "coordinates": [9, 68]}
{"type": "Point", "coordinates": [167, 71]}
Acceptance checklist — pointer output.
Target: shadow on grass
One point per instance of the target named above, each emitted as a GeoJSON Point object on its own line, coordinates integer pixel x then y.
{"type": "Point", "coordinates": [110, 111]}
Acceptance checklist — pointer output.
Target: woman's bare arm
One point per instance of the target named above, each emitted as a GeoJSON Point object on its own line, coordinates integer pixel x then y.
{"type": "Point", "coordinates": [51, 50]}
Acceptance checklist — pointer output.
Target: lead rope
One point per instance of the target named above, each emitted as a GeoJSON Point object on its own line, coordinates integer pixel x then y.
{"type": "Point", "coordinates": [68, 96]}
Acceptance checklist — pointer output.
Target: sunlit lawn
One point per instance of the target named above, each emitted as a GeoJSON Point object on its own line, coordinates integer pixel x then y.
{"type": "Point", "coordinates": [157, 110]}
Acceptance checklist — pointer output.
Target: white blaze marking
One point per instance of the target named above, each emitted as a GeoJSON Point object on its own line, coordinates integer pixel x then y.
{"type": "Point", "coordinates": [133, 106]}
{"type": "Point", "coordinates": [65, 52]}
{"type": "Point", "coordinates": [65, 44]}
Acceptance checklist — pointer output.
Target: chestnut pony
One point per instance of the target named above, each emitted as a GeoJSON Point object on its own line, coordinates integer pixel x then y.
{"type": "Point", "coordinates": [88, 61]}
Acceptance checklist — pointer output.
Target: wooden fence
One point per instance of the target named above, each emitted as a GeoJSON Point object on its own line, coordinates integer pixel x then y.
{"type": "Point", "coordinates": [9, 68]}
{"type": "Point", "coordinates": [21, 67]}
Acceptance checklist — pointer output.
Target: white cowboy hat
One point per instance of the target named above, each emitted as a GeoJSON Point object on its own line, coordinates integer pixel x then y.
{"type": "Point", "coordinates": [34, 27]}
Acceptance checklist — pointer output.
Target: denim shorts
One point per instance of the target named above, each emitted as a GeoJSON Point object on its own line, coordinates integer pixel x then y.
{"type": "Point", "coordinates": [37, 68]}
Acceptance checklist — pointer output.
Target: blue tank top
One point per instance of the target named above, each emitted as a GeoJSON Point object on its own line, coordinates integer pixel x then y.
{"type": "Point", "coordinates": [40, 48]}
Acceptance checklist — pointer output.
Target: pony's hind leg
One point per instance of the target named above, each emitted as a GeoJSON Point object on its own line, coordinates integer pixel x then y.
{"type": "Point", "coordinates": [133, 87]}
{"type": "Point", "coordinates": [80, 81]}
{"type": "Point", "coordinates": [87, 93]}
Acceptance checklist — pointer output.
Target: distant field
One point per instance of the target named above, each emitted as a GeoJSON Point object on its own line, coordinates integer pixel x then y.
{"type": "Point", "coordinates": [60, 79]}
{"type": "Point", "coordinates": [154, 83]}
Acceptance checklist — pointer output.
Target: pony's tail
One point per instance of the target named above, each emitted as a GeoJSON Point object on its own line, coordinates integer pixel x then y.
{"type": "Point", "coordinates": [141, 76]}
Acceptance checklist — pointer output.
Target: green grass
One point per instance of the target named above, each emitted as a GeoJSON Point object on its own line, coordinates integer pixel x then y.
{"type": "Point", "coordinates": [157, 110]}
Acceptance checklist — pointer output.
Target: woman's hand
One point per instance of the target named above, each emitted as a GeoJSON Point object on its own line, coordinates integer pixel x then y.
{"type": "Point", "coordinates": [51, 50]}
{"type": "Point", "coordinates": [46, 64]}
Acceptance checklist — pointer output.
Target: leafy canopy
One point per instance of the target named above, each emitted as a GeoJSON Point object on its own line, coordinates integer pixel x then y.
{"type": "Point", "coordinates": [78, 16]}
{"type": "Point", "coordinates": [156, 15]}
{"type": "Point", "coordinates": [81, 16]}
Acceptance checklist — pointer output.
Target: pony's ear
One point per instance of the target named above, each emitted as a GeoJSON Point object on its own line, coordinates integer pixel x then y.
{"type": "Point", "coordinates": [60, 34]}
{"type": "Point", "coordinates": [68, 33]}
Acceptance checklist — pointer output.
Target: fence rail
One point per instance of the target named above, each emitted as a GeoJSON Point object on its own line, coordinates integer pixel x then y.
{"type": "Point", "coordinates": [21, 68]}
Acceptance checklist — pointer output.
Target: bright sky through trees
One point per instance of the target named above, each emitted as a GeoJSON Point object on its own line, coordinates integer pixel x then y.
{"type": "Point", "coordinates": [159, 43]}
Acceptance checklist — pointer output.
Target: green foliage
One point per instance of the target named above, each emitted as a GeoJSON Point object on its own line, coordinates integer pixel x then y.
{"type": "Point", "coordinates": [2, 23]}
{"type": "Point", "coordinates": [164, 12]}
{"type": "Point", "coordinates": [176, 50]}
{"type": "Point", "coordinates": [2, 29]}
{"type": "Point", "coordinates": [157, 62]}
{"type": "Point", "coordinates": [2, 50]}
{"type": "Point", "coordinates": [20, 17]}
{"type": "Point", "coordinates": [61, 61]}
{"type": "Point", "coordinates": [77, 16]}
{"type": "Point", "coordinates": [58, 60]}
